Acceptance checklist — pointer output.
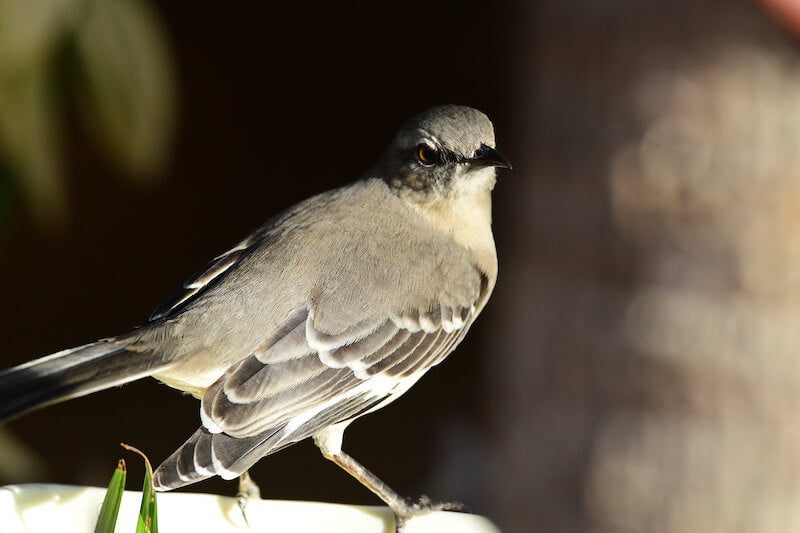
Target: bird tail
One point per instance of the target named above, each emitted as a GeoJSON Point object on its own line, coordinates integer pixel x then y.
{"type": "Point", "coordinates": [69, 374]}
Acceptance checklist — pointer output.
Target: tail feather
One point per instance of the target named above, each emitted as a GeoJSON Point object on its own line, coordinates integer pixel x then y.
{"type": "Point", "coordinates": [208, 454]}
{"type": "Point", "coordinates": [69, 374]}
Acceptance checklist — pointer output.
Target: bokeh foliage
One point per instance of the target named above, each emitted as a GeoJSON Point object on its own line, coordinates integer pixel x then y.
{"type": "Point", "coordinates": [110, 62]}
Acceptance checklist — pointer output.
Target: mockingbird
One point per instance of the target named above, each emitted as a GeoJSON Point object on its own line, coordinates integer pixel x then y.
{"type": "Point", "coordinates": [330, 310]}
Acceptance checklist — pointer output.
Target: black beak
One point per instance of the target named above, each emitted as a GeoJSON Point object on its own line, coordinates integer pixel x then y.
{"type": "Point", "coordinates": [486, 156]}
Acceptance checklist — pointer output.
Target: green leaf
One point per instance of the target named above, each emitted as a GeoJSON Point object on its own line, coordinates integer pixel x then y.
{"type": "Point", "coordinates": [148, 511]}
{"type": "Point", "coordinates": [107, 520]}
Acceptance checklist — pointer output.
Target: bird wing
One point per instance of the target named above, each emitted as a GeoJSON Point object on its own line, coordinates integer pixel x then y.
{"type": "Point", "coordinates": [207, 277]}
{"type": "Point", "coordinates": [300, 380]}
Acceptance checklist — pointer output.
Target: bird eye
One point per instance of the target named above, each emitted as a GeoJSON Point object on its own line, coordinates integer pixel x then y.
{"type": "Point", "coordinates": [427, 156]}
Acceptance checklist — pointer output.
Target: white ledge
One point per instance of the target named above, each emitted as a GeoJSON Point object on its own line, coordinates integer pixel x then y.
{"type": "Point", "coordinates": [35, 508]}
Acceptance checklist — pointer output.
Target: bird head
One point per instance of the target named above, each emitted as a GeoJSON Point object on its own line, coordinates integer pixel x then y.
{"type": "Point", "coordinates": [445, 151]}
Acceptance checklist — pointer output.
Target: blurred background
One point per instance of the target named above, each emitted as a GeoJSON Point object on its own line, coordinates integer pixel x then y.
{"type": "Point", "coordinates": [636, 367]}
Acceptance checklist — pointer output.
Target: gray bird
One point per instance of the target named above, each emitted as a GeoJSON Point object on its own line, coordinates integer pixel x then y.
{"type": "Point", "coordinates": [330, 310]}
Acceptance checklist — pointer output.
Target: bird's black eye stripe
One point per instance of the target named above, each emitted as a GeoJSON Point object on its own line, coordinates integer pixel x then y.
{"type": "Point", "coordinates": [427, 155]}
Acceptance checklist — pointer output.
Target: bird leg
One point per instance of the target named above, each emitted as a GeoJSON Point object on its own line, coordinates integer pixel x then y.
{"type": "Point", "coordinates": [247, 490]}
{"type": "Point", "coordinates": [329, 442]}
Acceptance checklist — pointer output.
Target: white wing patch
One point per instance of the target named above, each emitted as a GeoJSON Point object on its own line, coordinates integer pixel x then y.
{"type": "Point", "coordinates": [302, 374]}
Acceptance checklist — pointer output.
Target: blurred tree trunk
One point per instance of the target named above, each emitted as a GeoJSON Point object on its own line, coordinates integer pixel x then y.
{"type": "Point", "coordinates": [649, 304]}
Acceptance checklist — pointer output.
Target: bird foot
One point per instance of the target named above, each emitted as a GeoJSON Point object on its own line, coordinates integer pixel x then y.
{"type": "Point", "coordinates": [424, 506]}
{"type": "Point", "coordinates": [248, 490]}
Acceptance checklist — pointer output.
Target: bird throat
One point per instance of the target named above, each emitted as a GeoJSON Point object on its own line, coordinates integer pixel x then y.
{"type": "Point", "coordinates": [466, 214]}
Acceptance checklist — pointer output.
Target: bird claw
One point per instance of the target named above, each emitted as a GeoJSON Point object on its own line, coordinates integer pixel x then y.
{"type": "Point", "coordinates": [248, 490]}
{"type": "Point", "coordinates": [423, 506]}
{"type": "Point", "coordinates": [241, 501]}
